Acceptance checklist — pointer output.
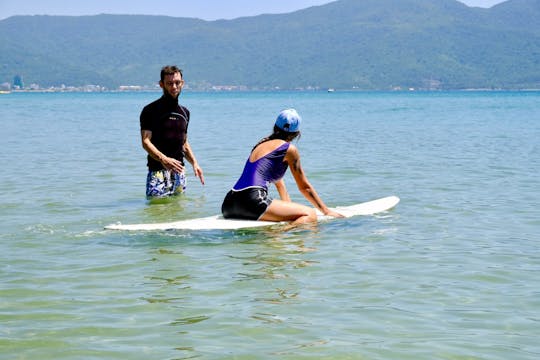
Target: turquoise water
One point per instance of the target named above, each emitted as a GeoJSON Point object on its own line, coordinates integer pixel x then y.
{"type": "Point", "coordinates": [450, 273]}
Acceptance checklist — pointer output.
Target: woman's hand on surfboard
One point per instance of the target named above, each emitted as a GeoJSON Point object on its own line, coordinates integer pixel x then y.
{"type": "Point", "coordinates": [334, 214]}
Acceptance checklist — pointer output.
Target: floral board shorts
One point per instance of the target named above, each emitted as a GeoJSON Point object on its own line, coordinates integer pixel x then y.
{"type": "Point", "coordinates": [164, 183]}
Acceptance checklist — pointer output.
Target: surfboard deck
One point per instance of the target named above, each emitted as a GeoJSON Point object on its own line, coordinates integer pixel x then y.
{"type": "Point", "coordinates": [217, 222]}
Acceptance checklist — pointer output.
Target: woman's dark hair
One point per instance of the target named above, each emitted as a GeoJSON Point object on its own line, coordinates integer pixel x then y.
{"type": "Point", "coordinates": [279, 134]}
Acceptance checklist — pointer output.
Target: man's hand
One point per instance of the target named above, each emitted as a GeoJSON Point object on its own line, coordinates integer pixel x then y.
{"type": "Point", "coordinates": [199, 173]}
{"type": "Point", "coordinates": [172, 164]}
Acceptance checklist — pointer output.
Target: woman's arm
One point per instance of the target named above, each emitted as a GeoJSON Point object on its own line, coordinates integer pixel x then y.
{"type": "Point", "coordinates": [282, 190]}
{"type": "Point", "coordinates": [293, 159]}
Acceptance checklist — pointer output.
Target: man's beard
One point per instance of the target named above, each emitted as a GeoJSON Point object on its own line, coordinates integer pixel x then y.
{"type": "Point", "coordinates": [166, 93]}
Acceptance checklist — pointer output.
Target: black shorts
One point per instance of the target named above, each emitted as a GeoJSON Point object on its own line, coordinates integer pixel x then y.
{"type": "Point", "coordinates": [247, 204]}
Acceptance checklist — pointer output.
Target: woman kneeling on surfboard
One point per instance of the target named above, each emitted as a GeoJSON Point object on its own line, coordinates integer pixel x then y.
{"type": "Point", "coordinates": [266, 164]}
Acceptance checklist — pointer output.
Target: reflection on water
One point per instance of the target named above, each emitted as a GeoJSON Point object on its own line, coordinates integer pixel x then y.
{"type": "Point", "coordinates": [260, 273]}
{"type": "Point", "coordinates": [174, 208]}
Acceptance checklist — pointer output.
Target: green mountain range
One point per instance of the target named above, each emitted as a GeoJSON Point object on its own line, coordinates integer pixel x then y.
{"type": "Point", "coordinates": [346, 44]}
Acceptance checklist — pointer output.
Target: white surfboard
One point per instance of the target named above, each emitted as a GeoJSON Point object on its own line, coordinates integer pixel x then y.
{"type": "Point", "coordinates": [217, 222]}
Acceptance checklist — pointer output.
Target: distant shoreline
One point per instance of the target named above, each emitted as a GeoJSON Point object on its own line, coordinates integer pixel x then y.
{"type": "Point", "coordinates": [43, 91]}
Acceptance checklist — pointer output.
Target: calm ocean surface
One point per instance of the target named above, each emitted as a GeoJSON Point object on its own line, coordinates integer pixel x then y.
{"type": "Point", "coordinates": [453, 272]}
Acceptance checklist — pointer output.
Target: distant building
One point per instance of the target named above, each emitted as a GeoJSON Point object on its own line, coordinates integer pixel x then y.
{"type": "Point", "coordinates": [18, 82]}
{"type": "Point", "coordinates": [129, 88]}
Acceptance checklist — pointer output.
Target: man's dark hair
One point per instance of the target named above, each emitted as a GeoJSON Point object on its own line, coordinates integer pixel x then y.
{"type": "Point", "coordinates": [170, 70]}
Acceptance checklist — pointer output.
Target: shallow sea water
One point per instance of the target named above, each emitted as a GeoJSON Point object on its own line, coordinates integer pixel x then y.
{"type": "Point", "coordinates": [450, 273]}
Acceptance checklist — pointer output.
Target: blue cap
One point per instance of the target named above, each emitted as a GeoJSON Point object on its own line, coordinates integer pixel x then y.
{"type": "Point", "coordinates": [288, 120]}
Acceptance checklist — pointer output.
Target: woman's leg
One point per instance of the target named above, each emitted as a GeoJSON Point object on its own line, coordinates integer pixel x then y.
{"type": "Point", "coordinates": [279, 210]}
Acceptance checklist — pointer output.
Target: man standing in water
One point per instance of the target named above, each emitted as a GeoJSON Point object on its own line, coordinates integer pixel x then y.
{"type": "Point", "coordinates": [164, 125]}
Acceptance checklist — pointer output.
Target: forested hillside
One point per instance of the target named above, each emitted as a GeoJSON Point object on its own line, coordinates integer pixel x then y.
{"type": "Point", "coordinates": [364, 44]}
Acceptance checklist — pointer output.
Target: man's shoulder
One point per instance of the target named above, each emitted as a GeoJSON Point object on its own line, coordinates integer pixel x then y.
{"type": "Point", "coordinates": [185, 110]}
{"type": "Point", "coordinates": [153, 104]}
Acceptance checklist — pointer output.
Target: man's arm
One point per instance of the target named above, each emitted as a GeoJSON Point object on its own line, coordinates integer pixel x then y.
{"type": "Point", "coordinates": [188, 154]}
{"type": "Point", "coordinates": [152, 150]}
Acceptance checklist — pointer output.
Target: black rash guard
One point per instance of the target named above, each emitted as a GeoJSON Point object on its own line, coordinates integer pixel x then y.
{"type": "Point", "coordinates": [168, 121]}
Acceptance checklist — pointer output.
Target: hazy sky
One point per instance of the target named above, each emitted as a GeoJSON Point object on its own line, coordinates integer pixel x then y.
{"type": "Point", "coordinates": [203, 9]}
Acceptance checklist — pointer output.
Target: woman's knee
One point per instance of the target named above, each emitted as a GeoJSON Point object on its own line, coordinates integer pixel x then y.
{"type": "Point", "coordinates": [311, 214]}
{"type": "Point", "coordinates": [279, 211]}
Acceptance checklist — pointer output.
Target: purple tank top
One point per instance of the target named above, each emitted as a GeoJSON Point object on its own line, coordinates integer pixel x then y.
{"type": "Point", "coordinates": [265, 170]}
